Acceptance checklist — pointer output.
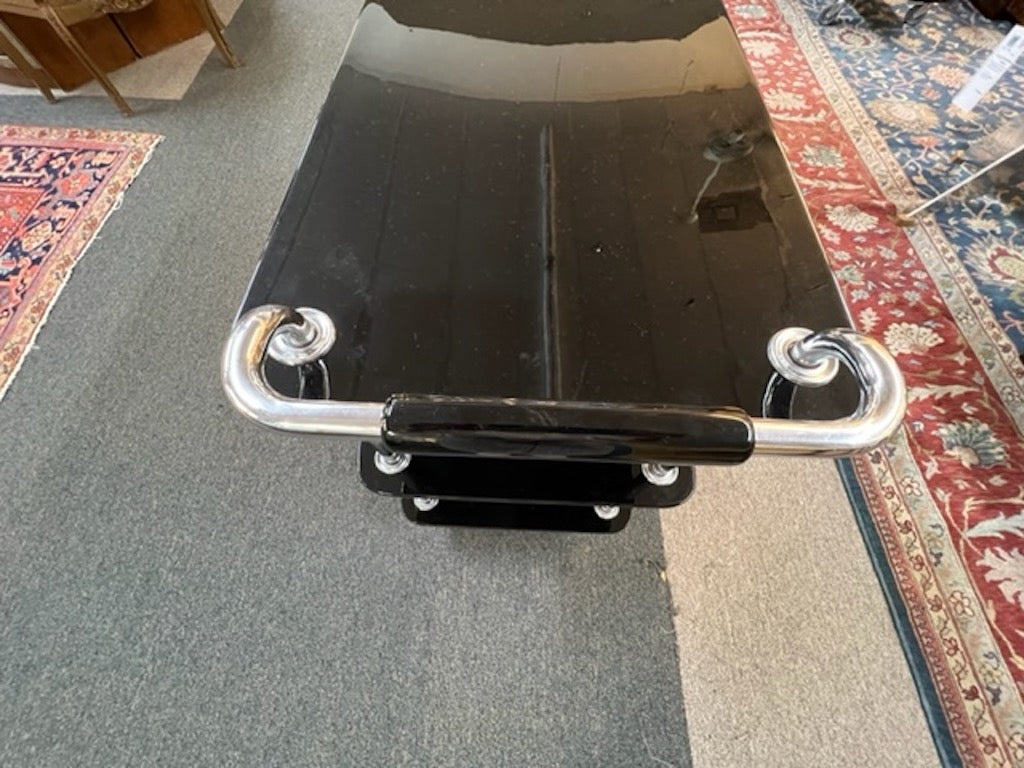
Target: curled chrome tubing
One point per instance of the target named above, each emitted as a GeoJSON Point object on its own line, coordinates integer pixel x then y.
{"type": "Point", "coordinates": [248, 390]}
{"type": "Point", "coordinates": [883, 397]}
{"type": "Point", "coordinates": [805, 358]}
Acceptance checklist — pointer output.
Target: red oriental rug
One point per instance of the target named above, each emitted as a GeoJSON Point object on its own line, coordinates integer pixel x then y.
{"type": "Point", "coordinates": [862, 113]}
{"type": "Point", "coordinates": [57, 187]}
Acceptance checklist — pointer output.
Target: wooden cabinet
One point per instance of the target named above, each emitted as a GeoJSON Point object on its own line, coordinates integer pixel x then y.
{"type": "Point", "coordinates": [1001, 9]}
{"type": "Point", "coordinates": [112, 41]}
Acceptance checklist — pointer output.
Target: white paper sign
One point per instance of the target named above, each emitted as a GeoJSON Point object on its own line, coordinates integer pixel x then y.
{"type": "Point", "coordinates": [995, 66]}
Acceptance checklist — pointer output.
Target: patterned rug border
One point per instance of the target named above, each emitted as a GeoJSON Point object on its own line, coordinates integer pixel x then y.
{"type": "Point", "coordinates": [56, 270]}
{"type": "Point", "coordinates": [966, 726]}
{"type": "Point", "coordinates": [918, 664]}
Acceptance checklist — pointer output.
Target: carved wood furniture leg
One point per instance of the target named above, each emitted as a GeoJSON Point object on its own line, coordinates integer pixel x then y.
{"type": "Point", "coordinates": [10, 49]}
{"type": "Point", "coordinates": [80, 53]}
{"type": "Point", "coordinates": [214, 26]}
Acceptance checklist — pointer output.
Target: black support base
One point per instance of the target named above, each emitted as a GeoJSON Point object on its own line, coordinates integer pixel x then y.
{"type": "Point", "coordinates": [540, 517]}
{"type": "Point", "coordinates": [506, 493]}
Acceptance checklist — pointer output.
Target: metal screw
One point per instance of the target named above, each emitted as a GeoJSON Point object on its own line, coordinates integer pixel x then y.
{"type": "Point", "coordinates": [660, 474]}
{"type": "Point", "coordinates": [606, 512]}
{"type": "Point", "coordinates": [425, 503]}
{"type": "Point", "coordinates": [391, 463]}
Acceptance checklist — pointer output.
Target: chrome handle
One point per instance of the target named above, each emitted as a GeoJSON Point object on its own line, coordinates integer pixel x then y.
{"type": "Point", "coordinates": [805, 358]}
{"type": "Point", "coordinates": [248, 390]}
{"type": "Point", "coordinates": [809, 359]}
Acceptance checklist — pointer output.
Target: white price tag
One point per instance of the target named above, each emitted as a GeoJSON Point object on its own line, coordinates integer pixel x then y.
{"type": "Point", "coordinates": [995, 66]}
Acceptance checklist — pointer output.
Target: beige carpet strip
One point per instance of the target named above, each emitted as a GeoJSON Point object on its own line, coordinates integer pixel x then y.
{"type": "Point", "coordinates": [787, 652]}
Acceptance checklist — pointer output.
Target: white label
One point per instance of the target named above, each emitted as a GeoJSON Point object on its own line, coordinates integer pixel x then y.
{"type": "Point", "coordinates": [995, 66]}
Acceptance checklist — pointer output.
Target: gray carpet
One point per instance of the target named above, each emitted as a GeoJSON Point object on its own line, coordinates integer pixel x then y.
{"type": "Point", "coordinates": [179, 587]}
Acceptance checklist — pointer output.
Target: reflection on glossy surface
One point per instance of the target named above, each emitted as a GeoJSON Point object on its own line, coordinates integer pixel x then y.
{"type": "Point", "coordinates": [552, 22]}
{"type": "Point", "coordinates": [460, 64]}
{"type": "Point", "coordinates": [531, 200]}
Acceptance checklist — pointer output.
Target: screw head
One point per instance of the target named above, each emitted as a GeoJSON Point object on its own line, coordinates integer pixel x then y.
{"type": "Point", "coordinates": [606, 512]}
{"type": "Point", "coordinates": [425, 503]}
{"type": "Point", "coordinates": [391, 463]}
{"type": "Point", "coordinates": [660, 474]}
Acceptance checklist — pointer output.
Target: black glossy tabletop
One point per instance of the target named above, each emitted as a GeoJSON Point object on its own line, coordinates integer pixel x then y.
{"type": "Point", "coordinates": [574, 200]}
